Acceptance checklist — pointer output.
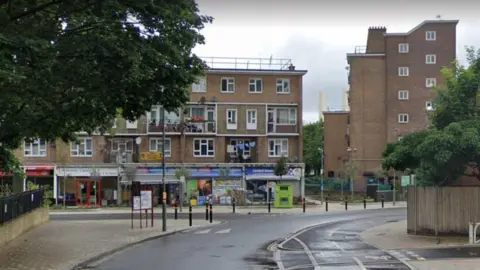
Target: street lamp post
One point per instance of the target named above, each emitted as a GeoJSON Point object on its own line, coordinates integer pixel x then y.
{"type": "Point", "coordinates": [321, 174]}
{"type": "Point", "coordinates": [164, 195]}
{"type": "Point", "coordinates": [394, 187]}
{"type": "Point", "coordinates": [350, 168]}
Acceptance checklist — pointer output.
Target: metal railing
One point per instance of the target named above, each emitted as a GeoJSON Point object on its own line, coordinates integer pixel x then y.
{"type": "Point", "coordinates": [360, 49]}
{"type": "Point", "coordinates": [247, 63]}
{"type": "Point", "coordinates": [18, 204]}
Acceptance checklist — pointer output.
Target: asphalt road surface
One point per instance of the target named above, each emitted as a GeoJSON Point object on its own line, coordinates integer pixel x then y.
{"type": "Point", "coordinates": [322, 241]}
{"type": "Point", "coordinates": [183, 215]}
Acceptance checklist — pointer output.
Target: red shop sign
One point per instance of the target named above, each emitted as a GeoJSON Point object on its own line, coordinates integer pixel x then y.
{"type": "Point", "coordinates": [38, 173]}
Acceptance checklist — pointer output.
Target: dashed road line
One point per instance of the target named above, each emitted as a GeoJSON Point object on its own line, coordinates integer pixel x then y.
{"type": "Point", "coordinates": [415, 255]}
{"type": "Point", "coordinates": [203, 231]}
{"type": "Point", "coordinates": [224, 231]}
{"type": "Point", "coordinates": [398, 255]}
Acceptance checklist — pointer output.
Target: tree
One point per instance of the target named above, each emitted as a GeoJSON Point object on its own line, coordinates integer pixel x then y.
{"type": "Point", "coordinates": [281, 168]}
{"type": "Point", "coordinates": [451, 147]}
{"type": "Point", "coordinates": [70, 65]}
{"type": "Point", "coordinates": [350, 171]}
{"type": "Point", "coordinates": [312, 142]}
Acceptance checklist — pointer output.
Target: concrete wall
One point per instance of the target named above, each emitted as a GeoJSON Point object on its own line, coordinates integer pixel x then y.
{"type": "Point", "coordinates": [22, 224]}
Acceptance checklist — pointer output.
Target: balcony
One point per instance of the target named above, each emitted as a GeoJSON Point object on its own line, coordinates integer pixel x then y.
{"type": "Point", "coordinates": [120, 157]}
{"type": "Point", "coordinates": [200, 119]}
{"type": "Point", "coordinates": [170, 126]}
{"type": "Point", "coordinates": [282, 120]}
{"type": "Point", "coordinates": [120, 150]}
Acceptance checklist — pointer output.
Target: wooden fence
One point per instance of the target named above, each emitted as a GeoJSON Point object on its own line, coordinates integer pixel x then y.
{"type": "Point", "coordinates": [442, 210]}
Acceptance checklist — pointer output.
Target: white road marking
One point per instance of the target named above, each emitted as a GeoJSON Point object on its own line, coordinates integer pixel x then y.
{"type": "Point", "coordinates": [278, 259]}
{"type": "Point", "coordinates": [360, 264]}
{"type": "Point", "coordinates": [333, 242]}
{"type": "Point", "coordinates": [413, 254]}
{"type": "Point", "coordinates": [398, 255]}
{"type": "Point", "coordinates": [203, 232]}
{"type": "Point", "coordinates": [309, 253]}
{"type": "Point", "coordinates": [224, 231]}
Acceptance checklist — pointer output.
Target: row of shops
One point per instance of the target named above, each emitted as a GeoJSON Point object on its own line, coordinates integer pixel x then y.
{"type": "Point", "coordinates": [78, 186]}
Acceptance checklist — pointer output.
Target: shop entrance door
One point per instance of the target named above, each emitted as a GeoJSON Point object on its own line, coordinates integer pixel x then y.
{"type": "Point", "coordinates": [88, 192]}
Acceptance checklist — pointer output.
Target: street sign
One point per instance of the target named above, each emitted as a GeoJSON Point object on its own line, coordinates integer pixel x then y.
{"type": "Point", "coordinates": [151, 156]}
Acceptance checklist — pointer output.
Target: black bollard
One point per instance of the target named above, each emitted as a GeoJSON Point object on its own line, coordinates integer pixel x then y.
{"type": "Point", "coordinates": [206, 211]}
{"type": "Point", "coordinates": [346, 203]}
{"type": "Point", "coordinates": [190, 215]}
{"type": "Point", "coordinates": [211, 213]}
{"type": "Point", "coordinates": [364, 202]}
{"type": "Point", "coordinates": [326, 204]}
{"type": "Point", "coordinates": [382, 201]}
{"type": "Point", "coordinates": [304, 205]}
{"type": "Point", "coordinates": [176, 212]}
{"type": "Point", "coordinates": [233, 205]}
{"type": "Point", "coordinates": [268, 206]}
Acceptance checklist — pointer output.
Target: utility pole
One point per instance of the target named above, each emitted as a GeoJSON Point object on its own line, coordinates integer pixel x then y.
{"type": "Point", "coordinates": [322, 171]}
{"type": "Point", "coordinates": [164, 195]}
{"type": "Point", "coordinates": [394, 187]}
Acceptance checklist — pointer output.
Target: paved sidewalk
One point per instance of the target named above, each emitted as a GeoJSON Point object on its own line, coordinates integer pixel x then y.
{"type": "Point", "coordinates": [332, 207]}
{"type": "Point", "coordinates": [393, 235]}
{"type": "Point", "coordinates": [61, 245]}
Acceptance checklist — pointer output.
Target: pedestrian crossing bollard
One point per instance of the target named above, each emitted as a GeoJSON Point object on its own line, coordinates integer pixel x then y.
{"type": "Point", "coordinates": [190, 216]}
{"type": "Point", "coordinates": [176, 212]}
{"type": "Point", "coordinates": [206, 211]}
{"type": "Point", "coordinates": [304, 205]}
{"type": "Point", "coordinates": [233, 205]}
{"type": "Point", "coordinates": [382, 201]}
{"type": "Point", "coordinates": [211, 213]}
{"type": "Point", "coordinates": [364, 202]}
{"type": "Point", "coordinates": [346, 203]}
{"type": "Point", "coordinates": [326, 204]}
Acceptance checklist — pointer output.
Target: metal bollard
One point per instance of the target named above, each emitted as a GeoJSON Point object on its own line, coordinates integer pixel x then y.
{"type": "Point", "coordinates": [269, 206]}
{"type": "Point", "coordinates": [176, 212]}
{"type": "Point", "coordinates": [211, 213]}
{"type": "Point", "coordinates": [304, 205]}
{"type": "Point", "coordinates": [382, 201]}
{"type": "Point", "coordinates": [233, 205]}
{"type": "Point", "coordinates": [346, 203]}
{"type": "Point", "coordinates": [326, 204]}
{"type": "Point", "coordinates": [190, 215]}
{"type": "Point", "coordinates": [206, 211]}
{"type": "Point", "coordinates": [364, 202]}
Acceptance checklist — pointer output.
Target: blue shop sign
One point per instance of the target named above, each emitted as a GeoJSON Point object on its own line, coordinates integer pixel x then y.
{"type": "Point", "coordinates": [194, 172]}
{"type": "Point", "coordinates": [265, 171]}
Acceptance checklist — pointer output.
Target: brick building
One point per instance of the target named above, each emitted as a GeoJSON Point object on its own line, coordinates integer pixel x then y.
{"type": "Point", "coordinates": [243, 115]}
{"type": "Point", "coordinates": [391, 81]}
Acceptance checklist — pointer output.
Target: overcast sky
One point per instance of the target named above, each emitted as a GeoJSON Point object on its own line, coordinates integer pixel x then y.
{"type": "Point", "coordinates": [317, 34]}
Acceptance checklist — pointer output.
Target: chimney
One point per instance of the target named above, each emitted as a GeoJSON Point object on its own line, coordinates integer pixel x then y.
{"type": "Point", "coordinates": [376, 39]}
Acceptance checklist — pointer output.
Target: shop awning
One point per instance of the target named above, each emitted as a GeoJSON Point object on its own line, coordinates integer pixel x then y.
{"type": "Point", "coordinates": [272, 178]}
{"type": "Point", "coordinates": [152, 180]}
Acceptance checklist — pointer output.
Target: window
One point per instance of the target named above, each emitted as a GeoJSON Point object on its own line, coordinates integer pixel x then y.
{"type": "Point", "coordinates": [231, 118]}
{"type": "Point", "coordinates": [403, 48]}
{"type": "Point", "coordinates": [200, 86]}
{"type": "Point", "coordinates": [430, 35]}
{"type": "Point", "coordinates": [403, 95]}
{"type": "Point", "coordinates": [132, 125]}
{"type": "Point", "coordinates": [255, 85]}
{"type": "Point", "coordinates": [81, 148]}
{"type": "Point", "coordinates": [35, 148]}
{"type": "Point", "coordinates": [227, 85]}
{"type": "Point", "coordinates": [286, 116]}
{"type": "Point", "coordinates": [252, 119]}
{"type": "Point", "coordinates": [429, 106]}
{"type": "Point", "coordinates": [277, 147]}
{"type": "Point", "coordinates": [203, 147]}
{"type": "Point", "coordinates": [241, 147]}
{"type": "Point", "coordinates": [283, 86]}
{"type": "Point", "coordinates": [430, 82]}
{"type": "Point", "coordinates": [403, 118]}
{"type": "Point", "coordinates": [430, 59]}
{"type": "Point", "coordinates": [403, 71]}
{"type": "Point", "coordinates": [156, 146]}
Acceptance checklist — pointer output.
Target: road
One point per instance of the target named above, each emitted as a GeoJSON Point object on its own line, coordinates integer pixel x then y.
{"type": "Point", "coordinates": [246, 243]}
{"type": "Point", "coordinates": [123, 216]}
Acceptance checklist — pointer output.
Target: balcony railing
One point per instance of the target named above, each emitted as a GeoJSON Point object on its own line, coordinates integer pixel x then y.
{"type": "Point", "coordinates": [360, 49]}
{"type": "Point", "coordinates": [276, 128]}
{"type": "Point", "coordinates": [200, 126]}
{"type": "Point", "coordinates": [248, 63]}
{"type": "Point", "coordinates": [169, 126]}
{"type": "Point", "coordinates": [120, 157]}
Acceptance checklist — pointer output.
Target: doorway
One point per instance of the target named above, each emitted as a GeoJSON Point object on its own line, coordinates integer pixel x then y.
{"type": "Point", "coordinates": [88, 192]}
{"type": "Point", "coordinates": [271, 120]}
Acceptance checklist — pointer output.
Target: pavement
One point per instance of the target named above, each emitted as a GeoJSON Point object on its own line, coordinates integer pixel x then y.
{"type": "Point", "coordinates": [423, 252]}
{"type": "Point", "coordinates": [61, 245]}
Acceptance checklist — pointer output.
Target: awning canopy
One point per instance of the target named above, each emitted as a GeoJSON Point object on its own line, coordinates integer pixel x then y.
{"type": "Point", "coordinates": [272, 178]}
{"type": "Point", "coordinates": [151, 180]}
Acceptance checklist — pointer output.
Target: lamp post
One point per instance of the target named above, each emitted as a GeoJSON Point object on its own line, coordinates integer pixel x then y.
{"type": "Point", "coordinates": [350, 168]}
{"type": "Point", "coordinates": [164, 194]}
{"type": "Point", "coordinates": [321, 174]}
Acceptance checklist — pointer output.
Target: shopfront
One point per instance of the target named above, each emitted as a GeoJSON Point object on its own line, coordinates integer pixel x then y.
{"type": "Point", "coordinates": [151, 178]}
{"type": "Point", "coordinates": [42, 175]}
{"type": "Point", "coordinates": [205, 183]}
{"type": "Point", "coordinates": [259, 178]}
{"type": "Point", "coordinates": [87, 186]}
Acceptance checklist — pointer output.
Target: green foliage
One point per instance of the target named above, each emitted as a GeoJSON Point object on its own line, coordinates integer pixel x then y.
{"type": "Point", "coordinates": [350, 169]}
{"type": "Point", "coordinates": [47, 195]}
{"type": "Point", "coordinates": [281, 168]}
{"type": "Point", "coordinates": [451, 147]}
{"type": "Point", "coordinates": [182, 172]}
{"type": "Point", "coordinates": [71, 65]}
{"type": "Point", "coordinates": [312, 141]}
